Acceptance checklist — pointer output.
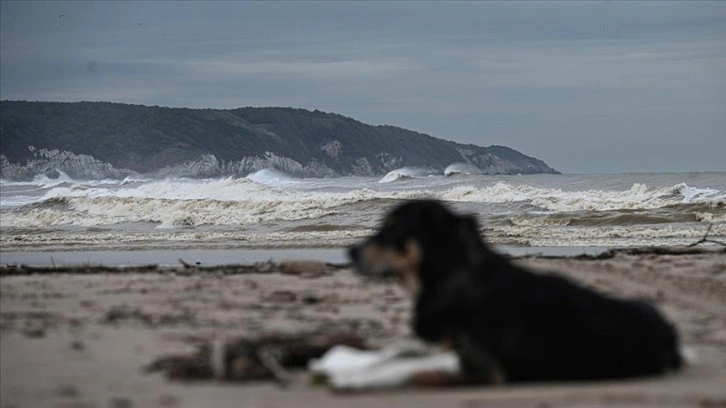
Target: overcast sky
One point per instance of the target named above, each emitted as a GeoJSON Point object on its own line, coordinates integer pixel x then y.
{"type": "Point", "coordinates": [587, 87]}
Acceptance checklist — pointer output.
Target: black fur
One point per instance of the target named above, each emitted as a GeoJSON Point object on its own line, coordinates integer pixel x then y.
{"type": "Point", "coordinates": [502, 319]}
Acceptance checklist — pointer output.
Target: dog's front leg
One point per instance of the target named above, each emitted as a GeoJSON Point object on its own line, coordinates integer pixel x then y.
{"type": "Point", "coordinates": [441, 308]}
{"type": "Point", "coordinates": [432, 319]}
{"type": "Point", "coordinates": [479, 365]}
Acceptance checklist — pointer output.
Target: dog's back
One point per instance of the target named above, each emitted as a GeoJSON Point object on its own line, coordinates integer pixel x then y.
{"type": "Point", "coordinates": [543, 327]}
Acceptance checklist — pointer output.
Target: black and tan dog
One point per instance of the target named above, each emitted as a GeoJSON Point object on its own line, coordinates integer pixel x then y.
{"type": "Point", "coordinates": [505, 323]}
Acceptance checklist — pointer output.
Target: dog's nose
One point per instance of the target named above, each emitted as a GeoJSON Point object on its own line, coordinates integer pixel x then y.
{"type": "Point", "coordinates": [354, 253]}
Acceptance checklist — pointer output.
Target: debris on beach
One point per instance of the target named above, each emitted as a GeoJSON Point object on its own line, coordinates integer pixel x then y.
{"type": "Point", "coordinates": [341, 361]}
{"type": "Point", "coordinates": [302, 268]}
{"type": "Point", "coordinates": [248, 359]}
{"type": "Point", "coordinates": [400, 364]}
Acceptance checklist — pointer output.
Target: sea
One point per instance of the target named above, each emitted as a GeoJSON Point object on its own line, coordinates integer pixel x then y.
{"type": "Point", "coordinates": [273, 211]}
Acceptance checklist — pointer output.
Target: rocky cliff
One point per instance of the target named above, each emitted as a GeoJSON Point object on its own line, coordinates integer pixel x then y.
{"type": "Point", "coordinates": [110, 140]}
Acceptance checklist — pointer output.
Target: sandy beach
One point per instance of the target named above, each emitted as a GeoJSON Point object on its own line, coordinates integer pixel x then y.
{"type": "Point", "coordinates": [81, 337]}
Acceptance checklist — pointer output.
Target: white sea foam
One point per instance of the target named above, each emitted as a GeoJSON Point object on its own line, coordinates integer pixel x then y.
{"type": "Point", "coordinates": [227, 189]}
{"type": "Point", "coordinates": [6, 182]}
{"type": "Point", "coordinates": [710, 217]}
{"type": "Point", "coordinates": [639, 196]}
{"type": "Point", "coordinates": [270, 177]}
{"type": "Point", "coordinates": [461, 168]}
{"type": "Point", "coordinates": [187, 203]}
{"type": "Point", "coordinates": [406, 173]}
{"type": "Point", "coordinates": [133, 179]}
{"type": "Point", "coordinates": [232, 201]}
{"type": "Point", "coordinates": [268, 207]}
{"type": "Point", "coordinates": [692, 194]}
{"type": "Point", "coordinates": [181, 239]}
{"type": "Point", "coordinates": [43, 181]}
{"type": "Point", "coordinates": [638, 235]}
{"type": "Point", "coordinates": [520, 220]}
{"type": "Point", "coordinates": [17, 201]}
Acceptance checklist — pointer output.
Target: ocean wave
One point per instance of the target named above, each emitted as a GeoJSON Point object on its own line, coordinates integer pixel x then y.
{"type": "Point", "coordinates": [710, 217]}
{"type": "Point", "coordinates": [226, 189]}
{"type": "Point", "coordinates": [42, 181]}
{"type": "Point", "coordinates": [529, 221]}
{"type": "Point", "coordinates": [461, 168]}
{"type": "Point", "coordinates": [17, 201]}
{"type": "Point", "coordinates": [134, 180]}
{"type": "Point", "coordinates": [604, 218]}
{"type": "Point", "coordinates": [611, 236]}
{"type": "Point", "coordinates": [693, 194]}
{"type": "Point", "coordinates": [273, 185]}
{"type": "Point", "coordinates": [270, 177]}
{"type": "Point", "coordinates": [253, 204]}
{"type": "Point", "coordinates": [407, 173]}
{"type": "Point", "coordinates": [240, 201]}
{"type": "Point", "coordinates": [639, 196]}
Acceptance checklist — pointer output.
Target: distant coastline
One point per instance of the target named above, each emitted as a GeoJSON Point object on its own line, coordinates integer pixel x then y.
{"type": "Point", "coordinates": [96, 140]}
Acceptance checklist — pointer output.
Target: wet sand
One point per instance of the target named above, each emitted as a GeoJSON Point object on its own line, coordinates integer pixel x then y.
{"type": "Point", "coordinates": [218, 256]}
{"type": "Point", "coordinates": [82, 339]}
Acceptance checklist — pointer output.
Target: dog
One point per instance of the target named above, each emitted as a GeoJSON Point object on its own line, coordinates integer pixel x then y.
{"type": "Point", "coordinates": [507, 324]}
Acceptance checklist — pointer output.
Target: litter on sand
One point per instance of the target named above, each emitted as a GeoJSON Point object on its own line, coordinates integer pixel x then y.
{"type": "Point", "coordinates": [341, 362]}
{"type": "Point", "coordinates": [349, 369]}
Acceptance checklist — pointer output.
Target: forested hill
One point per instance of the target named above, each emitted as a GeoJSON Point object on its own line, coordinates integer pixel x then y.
{"type": "Point", "coordinates": [100, 140]}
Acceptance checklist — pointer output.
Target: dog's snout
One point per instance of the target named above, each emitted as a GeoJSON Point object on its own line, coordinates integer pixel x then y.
{"type": "Point", "coordinates": [354, 253]}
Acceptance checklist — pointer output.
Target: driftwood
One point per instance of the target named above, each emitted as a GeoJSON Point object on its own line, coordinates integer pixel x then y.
{"type": "Point", "coordinates": [8, 270]}
{"type": "Point", "coordinates": [186, 269]}
{"type": "Point", "coordinates": [611, 253]}
{"type": "Point", "coordinates": [264, 358]}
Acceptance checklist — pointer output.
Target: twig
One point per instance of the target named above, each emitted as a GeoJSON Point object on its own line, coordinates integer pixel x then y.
{"type": "Point", "coordinates": [186, 265]}
{"type": "Point", "coordinates": [706, 239]}
{"type": "Point", "coordinates": [216, 359]}
{"type": "Point", "coordinates": [267, 357]}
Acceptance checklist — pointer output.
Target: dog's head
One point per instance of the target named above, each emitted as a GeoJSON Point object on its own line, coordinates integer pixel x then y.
{"type": "Point", "coordinates": [419, 243]}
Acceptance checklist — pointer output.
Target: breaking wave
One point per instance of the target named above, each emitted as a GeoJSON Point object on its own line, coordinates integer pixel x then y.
{"type": "Point", "coordinates": [461, 168]}
{"type": "Point", "coordinates": [607, 236]}
{"type": "Point", "coordinates": [180, 202]}
{"type": "Point", "coordinates": [639, 196]}
{"type": "Point", "coordinates": [271, 208]}
{"type": "Point", "coordinates": [235, 201]}
{"type": "Point", "coordinates": [270, 177]}
{"type": "Point", "coordinates": [42, 181]}
{"type": "Point", "coordinates": [407, 173]}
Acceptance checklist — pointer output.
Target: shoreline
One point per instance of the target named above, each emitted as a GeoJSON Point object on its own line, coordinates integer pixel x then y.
{"type": "Point", "coordinates": [211, 257]}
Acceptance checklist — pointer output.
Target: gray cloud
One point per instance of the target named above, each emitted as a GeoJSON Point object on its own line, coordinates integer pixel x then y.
{"type": "Point", "coordinates": [586, 86]}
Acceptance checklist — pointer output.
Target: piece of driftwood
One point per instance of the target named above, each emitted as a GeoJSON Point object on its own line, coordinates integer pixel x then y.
{"type": "Point", "coordinates": [8, 270]}
{"type": "Point", "coordinates": [238, 360]}
{"type": "Point", "coordinates": [185, 268]}
{"type": "Point", "coordinates": [611, 253]}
